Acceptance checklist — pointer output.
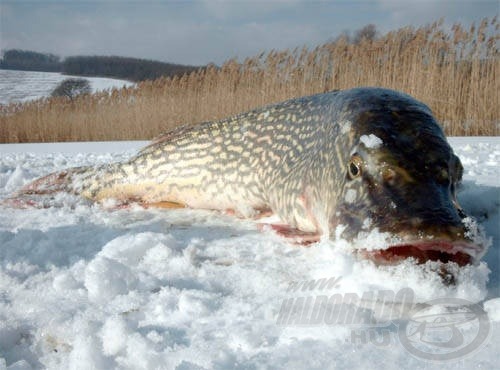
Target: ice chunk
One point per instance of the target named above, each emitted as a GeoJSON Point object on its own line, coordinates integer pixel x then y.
{"type": "Point", "coordinates": [371, 141]}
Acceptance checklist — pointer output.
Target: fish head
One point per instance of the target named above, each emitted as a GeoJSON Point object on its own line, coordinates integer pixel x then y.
{"type": "Point", "coordinates": [401, 179]}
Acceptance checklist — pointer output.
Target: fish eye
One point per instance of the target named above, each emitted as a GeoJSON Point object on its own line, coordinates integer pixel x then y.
{"type": "Point", "coordinates": [354, 167]}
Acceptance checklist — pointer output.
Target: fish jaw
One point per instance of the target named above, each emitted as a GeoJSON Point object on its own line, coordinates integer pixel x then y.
{"type": "Point", "coordinates": [461, 252]}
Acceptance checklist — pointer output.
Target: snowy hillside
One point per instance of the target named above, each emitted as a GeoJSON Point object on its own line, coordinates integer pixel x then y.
{"type": "Point", "coordinates": [20, 86]}
{"type": "Point", "coordinates": [86, 287]}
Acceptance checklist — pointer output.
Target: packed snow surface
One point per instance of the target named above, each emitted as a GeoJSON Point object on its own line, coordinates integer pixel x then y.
{"type": "Point", "coordinates": [22, 86]}
{"type": "Point", "coordinates": [82, 286]}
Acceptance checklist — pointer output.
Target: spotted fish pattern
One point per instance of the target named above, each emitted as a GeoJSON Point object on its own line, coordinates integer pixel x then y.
{"type": "Point", "coordinates": [282, 158]}
{"type": "Point", "coordinates": [366, 158]}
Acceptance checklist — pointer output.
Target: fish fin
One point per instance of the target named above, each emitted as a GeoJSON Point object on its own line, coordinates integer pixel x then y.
{"type": "Point", "coordinates": [263, 213]}
{"type": "Point", "coordinates": [253, 213]}
{"type": "Point", "coordinates": [168, 136]}
{"type": "Point", "coordinates": [22, 202]}
{"type": "Point", "coordinates": [52, 183]}
{"type": "Point", "coordinates": [293, 235]}
{"type": "Point", "coordinates": [40, 192]}
{"type": "Point", "coordinates": [164, 204]}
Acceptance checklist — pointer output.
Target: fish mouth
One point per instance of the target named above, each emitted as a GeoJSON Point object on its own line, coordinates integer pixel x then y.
{"type": "Point", "coordinates": [460, 252]}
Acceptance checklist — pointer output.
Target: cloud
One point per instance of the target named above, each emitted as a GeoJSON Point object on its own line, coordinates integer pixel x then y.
{"type": "Point", "coordinates": [405, 12]}
{"type": "Point", "coordinates": [193, 33]}
{"type": "Point", "coordinates": [238, 10]}
{"type": "Point", "coordinates": [199, 32]}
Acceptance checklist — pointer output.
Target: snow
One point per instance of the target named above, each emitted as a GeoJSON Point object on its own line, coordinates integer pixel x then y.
{"type": "Point", "coordinates": [82, 286]}
{"type": "Point", "coordinates": [22, 86]}
{"type": "Point", "coordinates": [371, 141]}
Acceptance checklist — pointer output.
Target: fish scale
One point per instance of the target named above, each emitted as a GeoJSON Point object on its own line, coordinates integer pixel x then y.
{"type": "Point", "coordinates": [366, 159]}
{"type": "Point", "coordinates": [245, 162]}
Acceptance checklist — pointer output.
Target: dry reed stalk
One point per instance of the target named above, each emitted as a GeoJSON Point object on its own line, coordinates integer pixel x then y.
{"type": "Point", "coordinates": [455, 73]}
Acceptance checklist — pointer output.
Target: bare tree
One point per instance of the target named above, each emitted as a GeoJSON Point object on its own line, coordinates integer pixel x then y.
{"type": "Point", "coordinates": [368, 32]}
{"type": "Point", "coordinates": [72, 87]}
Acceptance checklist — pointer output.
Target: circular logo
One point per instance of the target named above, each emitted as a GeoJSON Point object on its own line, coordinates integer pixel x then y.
{"type": "Point", "coordinates": [444, 329]}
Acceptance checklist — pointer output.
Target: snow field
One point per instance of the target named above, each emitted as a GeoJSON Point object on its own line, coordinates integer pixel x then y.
{"type": "Point", "coordinates": [22, 86]}
{"type": "Point", "coordinates": [82, 286]}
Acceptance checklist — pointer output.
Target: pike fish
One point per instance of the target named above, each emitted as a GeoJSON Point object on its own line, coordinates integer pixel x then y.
{"type": "Point", "coordinates": [335, 165]}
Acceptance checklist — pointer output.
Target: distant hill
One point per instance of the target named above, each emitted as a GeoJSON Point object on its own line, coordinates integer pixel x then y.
{"type": "Point", "coordinates": [132, 69]}
{"type": "Point", "coordinates": [123, 68]}
{"type": "Point", "coordinates": [24, 60]}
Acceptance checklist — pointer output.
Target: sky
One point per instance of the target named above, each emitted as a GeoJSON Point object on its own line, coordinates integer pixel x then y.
{"type": "Point", "coordinates": [209, 31]}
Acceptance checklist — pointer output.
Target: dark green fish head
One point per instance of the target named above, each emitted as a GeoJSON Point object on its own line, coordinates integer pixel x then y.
{"type": "Point", "coordinates": [401, 179]}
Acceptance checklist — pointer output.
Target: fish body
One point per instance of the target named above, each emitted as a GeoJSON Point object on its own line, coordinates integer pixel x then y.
{"type": "Point", "coordinates": [364, 158]}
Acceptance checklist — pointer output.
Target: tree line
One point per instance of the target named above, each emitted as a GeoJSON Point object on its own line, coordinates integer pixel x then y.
{"type": "Point", "coordinates": [133, 69]}
{"type": "Point", "coordinates": [24, 60]}
{"type": "Point", "coordinates": [123, 68]}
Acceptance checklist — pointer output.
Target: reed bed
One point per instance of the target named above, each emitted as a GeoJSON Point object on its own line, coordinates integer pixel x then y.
{"type": "Point", "coordinates": [455, 72]}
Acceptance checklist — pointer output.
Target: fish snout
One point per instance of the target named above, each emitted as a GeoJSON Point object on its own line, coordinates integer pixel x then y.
{"type": "Point", "coordinates": [440, 233]}
{"type": "Point", "coordinates": [449, 228]}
